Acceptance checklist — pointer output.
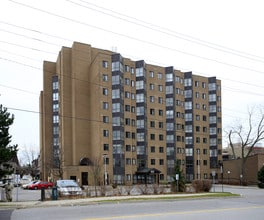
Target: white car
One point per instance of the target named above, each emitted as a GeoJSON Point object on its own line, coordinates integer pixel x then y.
{"type": "Point", "coordinates": [68, 188]}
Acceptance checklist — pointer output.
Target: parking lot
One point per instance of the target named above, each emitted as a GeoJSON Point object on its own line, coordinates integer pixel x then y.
{"type": "Point", "coordinates": [20, 194]}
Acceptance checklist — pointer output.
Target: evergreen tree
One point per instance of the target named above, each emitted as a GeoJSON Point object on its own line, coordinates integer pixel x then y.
{"type": "Point", "coordinates": [261, 177]}
{"type": "Point", "coordinates": [181, 180]}
{"type": "Point", "coordinates": [7, 152]}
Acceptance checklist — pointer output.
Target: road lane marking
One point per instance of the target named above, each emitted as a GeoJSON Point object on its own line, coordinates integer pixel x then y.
{"type": "Point", "coordinates": [174, 213]}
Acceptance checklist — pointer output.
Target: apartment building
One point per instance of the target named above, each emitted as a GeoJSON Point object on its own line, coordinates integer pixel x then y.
{"type": "Point", "coordinates": [131, 119]}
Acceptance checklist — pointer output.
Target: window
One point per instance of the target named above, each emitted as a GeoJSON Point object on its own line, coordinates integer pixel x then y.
{"type": "Point", "coordinates": [104, 64]}
{"type": "Point", "coordinates": [169, 89]}
{"type": "Point", "coordinates": [151, 86]}
{"type": "Point", "coordinates": [140, 84]}
{"type": "Point", "coordinates": [116, 107]}
{"type": "Point", "coordinates": [127, 108]}
{"type": "Point", "coordinates": [159, 75]}
{"type": "Point", "coordinates": [152, 111]}
{"type": "Point", "coordinates": [127, 95]}
{"type": "Point", "coordinates": [116, 121]}
{"type": "Point", "coordinates": [152, 161]}
{"type": "Point", "coordinates": [127, 121]}
{"type": "Point", "coordinates": [105, 105]}
{"type": "Point", "coordinates": [127, 81]}
{"type": "Point", "coordinates": [160, 88]}
{"type": "Point", "coordinates": [106, 147]}
{"type": "Point", "coordinates": [197, 117]}
{"type": "Point", "coordinates": [212, 119]}
{"type": "Point", "coordinates": [55, 119]}
{"type": "Point", "coordinates": [196, 83]}
{"type": "Point", "coordinates": [55, 85]}
{"type": "Point", "coordinates": [188, 105]}
{"type": "Point", "coordinates": [152, 149]}
{"type": "Point", "coordinates": [55, 107]}
{"type": "Point", "coordinates": [160, 124]}
{"type": "Point", "coordinates": [213, 153]}
{"type": "Point", "coordinates": [140, 136]}
{"type": "Point", "coordinates": [169, 101]}
{"type": "Point", "coordinates": [105, 91]}
{"type": "Point", "coordinates": [211, 86]}
{"type": "Point", "coordinates": [140, 98]}
{"type": "Point", "coordinates": [152, 136]}
{"type": "Point", "coordinates": [116, 80]}
{"type": "Point", "coordinates": [140, 123]}
{"type": "Point", "coordinates": [160, 112]}
{"type": "Point", "coordinates": [126, 68]}
{"type": "Point", "coordinates": [188, 140]}
{"type": "Point", "coordinates": [128, 148]}
{"type": "Point", "coordinates": [197, 128]}
{"type": "Point", "coordinates": [55, 96]}
{"type": "Point", "coordinates": [161, 162]}
{"type": "Point", "coordinates": [115, 93]}
{"type": "Point", "coordinates": [161, 137]}
{"type": "Point", "coordinates": [116, 135]}
{"type": "Point", "coordinates": [105, 119]}
{"type": "Point", "coordinates": [170, 127]}
{"type": "Point", "coordinates": [161, 149]}
{"type": "Point", "coordinates": [189, 152]}
{"type": "Point", "coordinates": [128, 161]}
{"type": "Point", "coordinates": [140, 110]}
{"type": "Point", "coordinates": [169, 114]}
{"type": "Point", "coordinates": [105, 77]}
{"type": "Point", "coordinates": [160, 100]}
{"type": "Point", "coordinates": [169, 77]}
{"type": "Point", "coordinates": [152, 124]}
{"type": "Point", "coordinates": [151, 99]}
{"type": "Point", "coordinates": [212, 97]}
{"type": "Point", "coordinates": [188, 129]}
{"type": "Point", "coordinates": [188, 82]}
{"type": "Point", "coordinates": [151, 74]}
{"type": "Point", "coordinates": [188, 117]}
{"type": "Point", "coordinates": [188, 93]}
{"type": "Point", "coordinates": [105, 133]}
{"type": "Point", "coordinates": [204, 85]}
{"type": "Point", "coordinates": [170, 138]}
{"type": "Point", "coordinates": [140, 71]}
{"type": "Point", "coordinates": [128, 134]}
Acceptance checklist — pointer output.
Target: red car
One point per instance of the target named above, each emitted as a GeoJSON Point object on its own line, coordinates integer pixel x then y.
{"type": "Point", "coordinates": [41, 184]}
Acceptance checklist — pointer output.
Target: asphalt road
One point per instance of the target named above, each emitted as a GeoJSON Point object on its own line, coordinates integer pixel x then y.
{"type": "Point", "coordinates": [249, 206]}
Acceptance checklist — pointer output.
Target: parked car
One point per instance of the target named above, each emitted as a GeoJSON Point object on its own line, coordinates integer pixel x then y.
{"type": "Point", "coordinates": [40, 185]}
{"type": "Point", "coordinates": [68, 188]}
{"type": "Point", "coordinates": [25, 186]}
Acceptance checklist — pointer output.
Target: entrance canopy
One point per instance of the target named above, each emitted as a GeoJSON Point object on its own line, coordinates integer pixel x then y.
{"type": "Point", "coordinates": [147, 176]}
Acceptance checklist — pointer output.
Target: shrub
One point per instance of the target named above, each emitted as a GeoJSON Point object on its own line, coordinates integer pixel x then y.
{"type": "Point", "coordinates": [202, 185]}
{"type": "Point", "coordinates": [261, 185]}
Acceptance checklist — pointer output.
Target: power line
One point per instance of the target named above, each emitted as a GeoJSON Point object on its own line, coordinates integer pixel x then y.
{"type": "Point", "coordinates": [136, 39]}
{"type": "Point", "coordinates": [168, 31]}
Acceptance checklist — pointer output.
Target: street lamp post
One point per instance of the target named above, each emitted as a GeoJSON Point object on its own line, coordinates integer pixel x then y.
{"type": "Point", "coordinates": [105, 173]}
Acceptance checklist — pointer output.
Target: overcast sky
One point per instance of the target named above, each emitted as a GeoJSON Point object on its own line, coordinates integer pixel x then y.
{"type": "Point", "coordinates": [222, 38]}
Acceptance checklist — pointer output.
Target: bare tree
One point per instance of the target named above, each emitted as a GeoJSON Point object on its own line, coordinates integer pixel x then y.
{"type": "Point", "coordinates": [55, 165]}
{"type": "Point", "coordinates": [28, 160]}
{"type": "Point", "coordinates": [248, 136]}
{"type": "Point", "coordinates": [96, 170]}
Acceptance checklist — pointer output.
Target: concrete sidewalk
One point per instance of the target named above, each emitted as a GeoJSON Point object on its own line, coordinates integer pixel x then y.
{"type": "Point", "coordinates": [93, 200]}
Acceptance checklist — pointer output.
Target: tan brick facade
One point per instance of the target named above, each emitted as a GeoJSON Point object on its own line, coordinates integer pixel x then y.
{"type": "Point", "coordinates": [143, 117]}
